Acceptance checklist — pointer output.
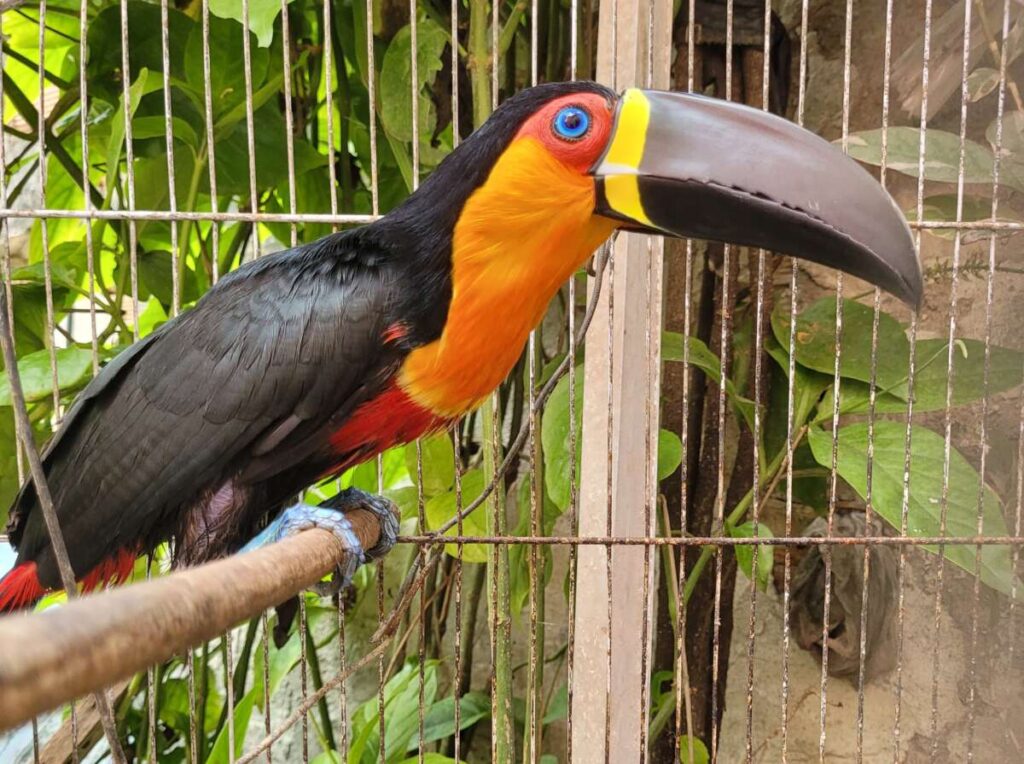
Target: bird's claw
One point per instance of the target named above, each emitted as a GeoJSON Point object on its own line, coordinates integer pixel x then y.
{"type": "Point", "coordinates": [330, 516]}
{"type": "Point", "coordinates": [384, 509]}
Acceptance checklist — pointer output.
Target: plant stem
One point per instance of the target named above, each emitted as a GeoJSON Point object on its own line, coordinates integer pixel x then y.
{"type": "Point", "coordinates": [499, 604]}
{"type": "Point", "coordinates": [314, 672]}
{"type": "Point", "coordinates": [769, 477]}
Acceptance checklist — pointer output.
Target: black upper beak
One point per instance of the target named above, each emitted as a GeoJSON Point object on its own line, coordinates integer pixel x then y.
{"type": "Point", "coordinates": [692, 166]}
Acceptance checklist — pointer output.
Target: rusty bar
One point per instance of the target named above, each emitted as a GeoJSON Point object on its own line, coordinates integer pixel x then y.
{"type": "Point", "coordinates": [950, 381]}
{"type": "Point", "coordinates": [1007, 226]}
{"type": "Point", "coordinates": [94, 642]}
{"type": "Point", "coordinates": [435, 539]}
{"type": "Point", "coordinates": [129, 161]}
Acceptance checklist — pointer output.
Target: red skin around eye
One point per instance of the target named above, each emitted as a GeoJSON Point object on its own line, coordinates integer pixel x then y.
{"type": "Point", "coordinates": [579, 154]}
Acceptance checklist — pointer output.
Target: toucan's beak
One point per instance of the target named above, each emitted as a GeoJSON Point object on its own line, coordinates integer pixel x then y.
{"type": "Point", "coordinates": [691, 166]}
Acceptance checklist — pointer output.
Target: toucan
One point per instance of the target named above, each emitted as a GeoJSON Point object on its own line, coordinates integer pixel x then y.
{"type": "Point", "coordinates": [301, 364]}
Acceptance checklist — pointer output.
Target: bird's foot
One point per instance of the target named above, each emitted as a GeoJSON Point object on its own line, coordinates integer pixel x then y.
{"type": "Point", "coordinates": [330, 516]}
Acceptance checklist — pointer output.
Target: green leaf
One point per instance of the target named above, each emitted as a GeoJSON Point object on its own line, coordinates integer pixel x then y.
{"type": "Point", "coordinates": [153, 127]}
{"type": "Point", "coordinates": [925, 501]}
{"type": "Point", "coordinates": [430, 758]}
{"type": "Point", "coordinates": [700, 751]}
{"type": "Point", "coordinates": [116, 142]}
{"type": "Point", "coordinates": [396, 77]}
{"type": "Point", "coordinates": [145, 50]}
{"type": "Point", "coordinates": [8, 462]}
{"type": "Point", "coordinates": [1013, 133]}
{"type": "Point", "coordinates": [156, 276]}
{"type": "Point", "coordinates": [981, 82]}
{"type": "Point", "coordinates": [401, 720]}
{"type": "Point", "coordinates": [808, 386]}
{"type": "Point", "coordinates": [670, 453]}
{"type": "Point", "coordinates": [555, 440]}
{"type": "Point", "coordinates": [441, 508]}
{"type": "Point", "coordinates": [942, 154]}
{"type": "Point", "coordinates": [558, 706]}
{"type": "Point", "coordinates": [745, 553]}
{"type": "Point", "coordinates": [438, 463]}
{"type": "Point", "coordinates": [439, 721]}
{"type": "Point", "coordinates": [1011, 164]}
{"type": "Point", "coordinates": [942, 208]}
{"type": "Point", "coordinates": [262, 15]}
{"type": "Point", "coordinates": [816, 341]}
{"type": "Point", "coordinates": [74, 366]}
{"type": "Point", "coordinates": [1006, 371]}
{"type": "Point", "coordinates": [673, 349]}
{"type": "Point", "coordinates": [227, 78]}
{"type": "Point", "coordinates": [270, 145]}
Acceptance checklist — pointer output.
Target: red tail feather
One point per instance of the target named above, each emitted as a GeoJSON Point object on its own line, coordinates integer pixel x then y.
{"type": "Point", "coordinates": [21, 588]}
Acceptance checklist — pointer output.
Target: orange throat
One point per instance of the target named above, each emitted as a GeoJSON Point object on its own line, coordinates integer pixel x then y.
{"type": "Point", "coordinates": [521, 235]}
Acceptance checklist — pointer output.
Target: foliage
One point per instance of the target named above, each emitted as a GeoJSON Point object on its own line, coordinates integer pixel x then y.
{"type": "Point", "coordinates": [291, 167]}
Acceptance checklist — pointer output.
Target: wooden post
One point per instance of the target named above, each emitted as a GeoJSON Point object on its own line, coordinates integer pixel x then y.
{"type": "Point", "coordinates": [620, 437]}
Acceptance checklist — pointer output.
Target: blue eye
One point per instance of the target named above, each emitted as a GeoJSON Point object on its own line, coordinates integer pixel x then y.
{"type": "Point", "coordinates": [571, 123]}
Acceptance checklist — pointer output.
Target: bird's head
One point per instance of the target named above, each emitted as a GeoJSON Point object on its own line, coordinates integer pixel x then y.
{"type": "Point", "coordinates": [677, 164]}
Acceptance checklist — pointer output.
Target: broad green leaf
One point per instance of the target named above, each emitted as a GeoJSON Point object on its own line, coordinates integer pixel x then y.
{"type": "Point", "coordinates": [1011, 149]}
{"type": "Point", "coordinates": [396, 79]}
{"type": "Point", "coordinates": [670, 453]}
{"type": "Point", "coordinates": [63, 193]}
{"type": "Point", "coordinates": [401, 720]}
{"type": "Point", "coordinates": [439, 720]}
{"type": "Point", "coordinates": [942, 208]}
{"type": "Point", "coordinates": [151, 317]}
{"type": "Point", "coordinates": [520, 555]}
{"type": "Point", "coordinates": [271, 150]}
{"type": "Point", "coordinates": [816, 341]}
{"type": "Point", "coordinates": [981, 82]}
{"type": "Point", "coordinates": [925, 502]}
{"type": "Point", "coordinates": [931, 376]}
{"type": "Point", "coordinates": [227, 78]}
{"type": "Point", "coordinates": [558, 706]}
{"type": "Point", "coordinates": [808, 386]}
{"type": "Point", "coordinates": [117, 126]}
{"type": "Point", "coordinates": [8, 462]}
{"type": "Point", "coordinates": [1013, 133]}
{"type": "Point", "coordinates": [145, 50]}
{"type": "Point", "coordinates": [430, 758]}
{"type": "Point", "coordinates": [673, 349]}
{"type": "Point", "coordinates": [700, 751]}
{"type": "Point", "coordinates": [942, 154]}
{"type": "Point", "coordinates": [74, 366]}
{"type": "Point", "coordinates": [240, 722]}
{"type": "Point", "coordinates": [262, 15]}
{"type": "Point", "coordinates": [441, 508]}
{"type": "Point", "coordinates": [555, 439]}
{"type": "Point", "coordinates": [156, 276]}
{"type": "Point", "coordinates": [438, 463]}
{"type": "Point", "coordinates": [745, 553]}
{"type": "Point", "coordinates": [154, 127]}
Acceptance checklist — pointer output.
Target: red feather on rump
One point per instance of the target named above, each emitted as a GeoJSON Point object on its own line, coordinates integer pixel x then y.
{"type": "Point", "coordinates": [21, 588]}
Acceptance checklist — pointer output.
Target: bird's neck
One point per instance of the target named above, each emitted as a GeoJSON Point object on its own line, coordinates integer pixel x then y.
{"type": "Point", "coordinates": [519, 237]}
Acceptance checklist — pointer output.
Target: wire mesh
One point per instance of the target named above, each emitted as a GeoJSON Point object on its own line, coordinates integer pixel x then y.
{"type": "Point", "coordinates": [532, 672]}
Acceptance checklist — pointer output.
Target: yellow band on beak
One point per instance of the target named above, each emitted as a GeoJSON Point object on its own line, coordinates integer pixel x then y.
{"type": "Point", "coordinates": [624, 155]}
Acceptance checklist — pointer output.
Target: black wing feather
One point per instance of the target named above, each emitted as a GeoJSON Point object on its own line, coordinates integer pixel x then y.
{"type": "Point", "coordinates": [280, 346]}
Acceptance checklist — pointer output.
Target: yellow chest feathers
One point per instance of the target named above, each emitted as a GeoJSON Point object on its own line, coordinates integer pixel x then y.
{"type": "Point", "coordinates": [518, 239]}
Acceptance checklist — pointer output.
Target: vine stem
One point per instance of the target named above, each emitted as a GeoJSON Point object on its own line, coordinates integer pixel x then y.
{"type": "Point", "coordinates": [772, 474]}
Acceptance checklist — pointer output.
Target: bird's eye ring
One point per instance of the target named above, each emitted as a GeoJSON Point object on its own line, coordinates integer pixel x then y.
{"type": "Point", "coordinates": [571, 123]}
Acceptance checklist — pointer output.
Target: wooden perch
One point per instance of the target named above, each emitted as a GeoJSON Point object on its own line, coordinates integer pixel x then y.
{"type": "Point", "coordinates": [56, 656]}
